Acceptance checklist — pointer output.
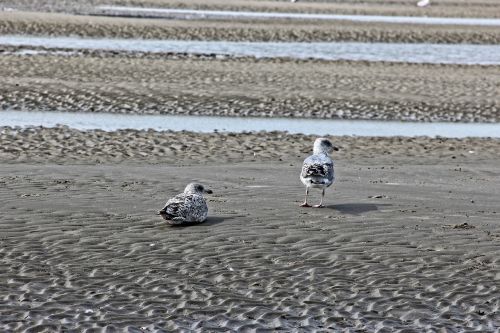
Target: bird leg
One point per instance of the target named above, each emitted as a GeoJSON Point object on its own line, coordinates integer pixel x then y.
{"type": "Point", "coordinates": [321, 202]}
{"type": "Point", "coordinates": [305, 204]}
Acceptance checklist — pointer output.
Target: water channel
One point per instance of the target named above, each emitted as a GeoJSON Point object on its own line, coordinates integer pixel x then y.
{"type": "Point", "coordinates": [207, 124]}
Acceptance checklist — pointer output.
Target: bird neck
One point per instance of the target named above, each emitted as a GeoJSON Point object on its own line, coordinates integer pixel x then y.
{"type": "Point", "coordinates": [319, 151]}
{"type": "Point", "coordinates": [193, 192]}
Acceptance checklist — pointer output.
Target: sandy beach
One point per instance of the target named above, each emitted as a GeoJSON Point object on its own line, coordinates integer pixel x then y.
{"type": "Point", "coordinates": [409, 240]}
{"type": "Point", "coordinates": [64, 145]}
{"type": "Point", "coordinates": [62, 24]}
{"type": "Point", "coordinates": [442, 8]}
{"type": "Point", "coordinates": [119, 82]}
{"type": "Point", "coordinates": [128, 82]}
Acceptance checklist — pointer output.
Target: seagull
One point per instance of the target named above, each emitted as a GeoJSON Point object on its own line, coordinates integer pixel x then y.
{"type": "Point", "coordinates": [317, 170]}
{"type": "Point", "coordinates": [187, 207]}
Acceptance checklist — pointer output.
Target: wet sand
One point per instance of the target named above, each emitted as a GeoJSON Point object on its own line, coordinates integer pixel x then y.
{"type": "Point", "coordinates": [443, 8]}
{"type": "Point", "coordinates": [63, 24]}
{"type": "Point", "coordinates": [408, 241]}
{"type": "Point", "coordinates": [69, 146]}
{"type": "Point", "coordinates": [211, 85]}
{"type": "Point", "coordinates": [83, 18]}
{"type": "Point", "coordinates": [214, 85]}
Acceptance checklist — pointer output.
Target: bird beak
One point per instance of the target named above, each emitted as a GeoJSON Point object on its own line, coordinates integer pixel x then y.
{"type": "Point", "coordinates": [208, 191]}
{"type": "Point", "coordinates": [335, 148]}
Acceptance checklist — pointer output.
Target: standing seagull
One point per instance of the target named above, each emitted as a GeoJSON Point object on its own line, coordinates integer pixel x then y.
{"type": "Point", "coordinates": [317, 170]}
{"type": "Point", "coordinates": [187, 207]}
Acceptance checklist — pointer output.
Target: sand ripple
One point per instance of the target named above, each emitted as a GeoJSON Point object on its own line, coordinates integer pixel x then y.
{"type": "Point", "coordinates": [66, 145]}
{"type": "Point", "coordinates": [83, 252]}
{"type": "Point", "coordinates": [211, 85]}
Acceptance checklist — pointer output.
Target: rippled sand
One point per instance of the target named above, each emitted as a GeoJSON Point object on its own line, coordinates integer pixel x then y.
{"type": "Point", "coordinates": [63, 24]}
{"type": "Point", "coordinates": [212, 85]}
{"type": "Point", "coordinates": [65, 145]}
{"type": "Point", "coordinates": [208, 85]}
{"type": "Point", "coordinates": [71, 17]}
{"type": "Point", "coordinates": [409, 241]}
{"type": "Point", "coordinates": [445, 8]}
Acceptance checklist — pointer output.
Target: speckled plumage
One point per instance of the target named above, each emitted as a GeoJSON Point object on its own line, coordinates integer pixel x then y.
{"type": "Point", "coordinates": [317, 169]}
{"type": "Point", "coordinates": [187, 207]}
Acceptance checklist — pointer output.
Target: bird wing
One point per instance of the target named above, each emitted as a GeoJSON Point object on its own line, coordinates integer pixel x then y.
{"type": "Point", "coordinates": [175, 207]}
{"type": "Point", "coordinates": [196, 208]}
{"type": "Point", "coordinates": [190, 207]}
{"type": "Point", "coordinates": [318, 166]}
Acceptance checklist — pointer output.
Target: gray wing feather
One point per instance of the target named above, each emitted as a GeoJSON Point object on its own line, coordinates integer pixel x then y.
{"type": "Point", "coordinates": [174, 207]}
{"type": "Point", "coordinates": [186, 207]}
{"type": "Point", "coordinates": [318, 166]}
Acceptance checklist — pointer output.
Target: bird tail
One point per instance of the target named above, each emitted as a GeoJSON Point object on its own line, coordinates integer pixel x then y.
{"type": "Point", "coordinates": [316, 171]}
{"type": "Point", "coordinates": [164, 214]}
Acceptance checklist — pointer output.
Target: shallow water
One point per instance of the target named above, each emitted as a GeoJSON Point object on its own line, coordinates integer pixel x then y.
{"type": "Point", "coordinates": [24, 52]}
{"type": "Point", "coordinates": [112, 122]}
{"type": "Point", "coordinates": [395, 52]}
{"type": "Point", "coordinates": [215, 14]}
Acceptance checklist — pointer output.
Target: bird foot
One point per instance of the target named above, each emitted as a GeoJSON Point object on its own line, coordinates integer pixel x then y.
{"type": "Point", "coordinates": [319, 206]}
{"type": "Point", "coordinates": [305, 204]}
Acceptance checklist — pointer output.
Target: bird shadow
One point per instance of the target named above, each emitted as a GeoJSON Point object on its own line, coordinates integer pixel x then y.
{"type": "Point", "coordinates": [356, 208]}
{"type": "Point", "coordinates": [213, 220]}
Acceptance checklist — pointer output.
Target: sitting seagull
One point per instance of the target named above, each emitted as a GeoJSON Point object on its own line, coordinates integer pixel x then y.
{"type": "Point", "coordinates": [187, 207]}
{"type": "Point", "coordinates": [317, 170]}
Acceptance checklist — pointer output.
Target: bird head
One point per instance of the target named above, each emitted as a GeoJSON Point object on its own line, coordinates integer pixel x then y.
{"type": "Point", "coordinates": [195, 188]}
{"type": "Point", "coordinates": [323, 145]}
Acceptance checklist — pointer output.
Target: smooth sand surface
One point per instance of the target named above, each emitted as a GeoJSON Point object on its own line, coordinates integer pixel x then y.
{"type": "Point", "coordinates": [408, 242]}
